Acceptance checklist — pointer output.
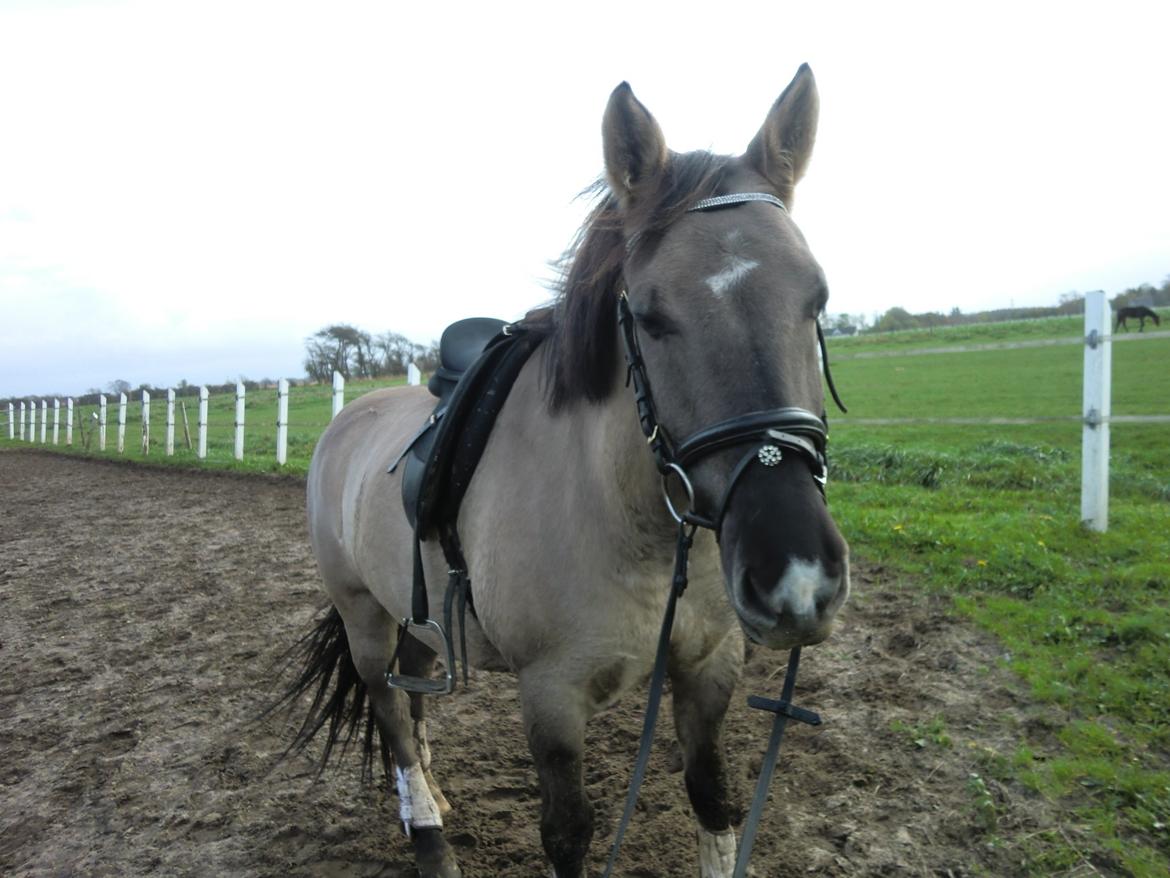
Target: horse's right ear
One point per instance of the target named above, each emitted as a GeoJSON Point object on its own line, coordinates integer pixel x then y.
{"type": "Point", "coordinates": [635, 150]}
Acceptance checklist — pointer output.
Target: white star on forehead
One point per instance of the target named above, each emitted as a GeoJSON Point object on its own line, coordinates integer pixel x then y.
{"type": "Point", "coordinates": [734, 270]}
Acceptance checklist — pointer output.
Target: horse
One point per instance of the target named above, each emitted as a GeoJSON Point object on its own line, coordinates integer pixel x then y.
{"type": "Point", "coordinates": [1140, 312]}
{"type": "Point", "coordinates": [567, 541]}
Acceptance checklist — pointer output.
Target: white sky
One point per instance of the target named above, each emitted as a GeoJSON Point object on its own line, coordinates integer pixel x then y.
{"type": "Point", "coordinates": [188, 190]}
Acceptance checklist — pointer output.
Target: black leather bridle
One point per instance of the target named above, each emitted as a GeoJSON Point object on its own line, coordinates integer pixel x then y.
{"type": "Point", "coordinates": [770, 433]}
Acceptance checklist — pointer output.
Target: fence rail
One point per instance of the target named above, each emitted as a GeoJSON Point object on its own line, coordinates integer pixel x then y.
{"type": "Point", "coordinates": [22, 419]}
{"type": "Point", "coordinates": [999, 346]}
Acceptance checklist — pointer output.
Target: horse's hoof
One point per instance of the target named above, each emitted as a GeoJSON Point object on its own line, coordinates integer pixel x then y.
{"type": "Point", "coordinates": [433, 854]}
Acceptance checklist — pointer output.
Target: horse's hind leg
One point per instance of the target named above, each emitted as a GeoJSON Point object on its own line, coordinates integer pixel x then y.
{"type": "Point", "coordinates": [700, 699]}
{"type": "Point", "coordinates": [554, 720]}
{"type": "Point", "coordinates": [369, 629]}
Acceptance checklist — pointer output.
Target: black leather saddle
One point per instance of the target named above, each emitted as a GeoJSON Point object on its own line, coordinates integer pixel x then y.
{"type": "Point", "coordinates": [480, 358]}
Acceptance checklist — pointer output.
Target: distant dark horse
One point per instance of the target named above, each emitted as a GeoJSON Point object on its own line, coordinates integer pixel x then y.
{"type": "Point", "coordinates": [1139, 312]}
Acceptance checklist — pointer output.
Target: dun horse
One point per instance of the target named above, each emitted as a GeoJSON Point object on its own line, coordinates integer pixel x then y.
{"type": "Point", "coordinates": [1136, 312]}
{"type": "Point", "coordinates": [568, 545]}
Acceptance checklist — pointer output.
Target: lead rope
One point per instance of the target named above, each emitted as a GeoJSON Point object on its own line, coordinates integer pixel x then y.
{"type": "Point", "coordinates": [784, 710]}
{"type": "Point", "coordinates": [678, 584]}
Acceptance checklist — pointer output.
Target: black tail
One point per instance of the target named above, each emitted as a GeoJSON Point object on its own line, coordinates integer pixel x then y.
{"type": "Point", "coordinates": [340, 698]}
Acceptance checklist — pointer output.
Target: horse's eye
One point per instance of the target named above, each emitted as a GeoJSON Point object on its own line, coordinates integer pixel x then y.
{"type": "Point", "coordinates": [656, 324]}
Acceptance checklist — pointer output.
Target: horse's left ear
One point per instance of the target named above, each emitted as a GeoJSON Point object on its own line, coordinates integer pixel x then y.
{"type": "Point", "coordinates": [783, 146]}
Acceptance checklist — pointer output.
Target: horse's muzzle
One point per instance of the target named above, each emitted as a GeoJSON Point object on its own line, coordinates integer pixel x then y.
{"type": "Point", "coordinates": [795, 610]}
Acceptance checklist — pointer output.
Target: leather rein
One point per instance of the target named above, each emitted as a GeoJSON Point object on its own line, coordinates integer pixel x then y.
{"type": "Point", "coordinates": [769, 434]}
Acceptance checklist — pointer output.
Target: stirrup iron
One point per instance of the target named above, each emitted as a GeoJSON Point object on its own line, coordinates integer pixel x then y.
{"type": "Point", "coordinates": [444, 685]}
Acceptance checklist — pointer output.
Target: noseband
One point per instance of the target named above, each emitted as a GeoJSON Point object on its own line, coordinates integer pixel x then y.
{"type": "Point", "coordinates": [770, 432]}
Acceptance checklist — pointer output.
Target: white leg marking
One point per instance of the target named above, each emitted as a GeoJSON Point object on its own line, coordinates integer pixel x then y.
{"type": "Point", "coordinates": [424, 759]}
{"type": "Point", "coordinates": [716, 853]}
{"type": "Point", "coordinates": [416, 805]}
{"type": "Point", "coordinates": [734, 270]}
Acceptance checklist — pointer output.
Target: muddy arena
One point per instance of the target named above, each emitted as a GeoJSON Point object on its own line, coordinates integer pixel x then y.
{"type": "Point", "coordinates": [141, 613]}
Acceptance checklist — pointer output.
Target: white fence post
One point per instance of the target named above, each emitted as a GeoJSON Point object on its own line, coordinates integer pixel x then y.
{"type": "Point", "coordinates": [44, 420]}
{"type": "Point", "coordinates": [22, 420]}
{"type": "Point", "coordinates": [56, 419]}
{"type": "Point", "coordinates": [32, 421]}
{"type": "Point", "coordinates": [282, 420]}
{"type": "Point", "coordinates": [1096, 410]}
{"type": "Point", "coordinates": [170, 443]}
{"type": "Point", "coordinates": [69, 421]}
{"type": "Point", "coordinates": [202, 452]}
{"type": "Point", "coordinates": [102, 419]}
{"type": "Point", "coordinates": [239, 420]}
{"type": "Point", "coordinates": [338, 394]}
{"type": "Point", "coordinates": [413, 375]}
{"type": "Point", "coordinates": [145, 422]}
{"type": "Point", "coordinates": [121, 422]}
{"type": "Point", "coordinates": [11, 421]}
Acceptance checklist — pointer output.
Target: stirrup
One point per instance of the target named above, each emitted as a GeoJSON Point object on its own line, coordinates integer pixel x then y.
{"type": "Point", "coordinates": [426, 685]}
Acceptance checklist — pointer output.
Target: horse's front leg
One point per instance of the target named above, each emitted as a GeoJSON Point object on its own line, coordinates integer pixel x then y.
{"type": "Point", "coordinates": [701, 696]}
{"type": "Point", "coordinates": [554, 720]}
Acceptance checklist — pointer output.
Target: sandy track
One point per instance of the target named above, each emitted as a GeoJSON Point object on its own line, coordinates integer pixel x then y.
{"type": "Point", "coordinates": [140, 611]}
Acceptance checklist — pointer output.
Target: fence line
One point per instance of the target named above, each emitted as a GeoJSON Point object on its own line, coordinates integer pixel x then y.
{"type": "Point", "coordinates": [1096, 415]}
{"type": "Point", "coordinates": [998, 346]}
{"type": "Point", "coordinates": [22, 420]}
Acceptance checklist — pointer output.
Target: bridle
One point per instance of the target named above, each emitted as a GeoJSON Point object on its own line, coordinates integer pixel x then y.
{"type": "Point", "coordinates": [769, 433]}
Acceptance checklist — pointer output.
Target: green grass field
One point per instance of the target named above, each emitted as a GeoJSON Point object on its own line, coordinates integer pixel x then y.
{"type": "Point", "coordinates": [989, 515]}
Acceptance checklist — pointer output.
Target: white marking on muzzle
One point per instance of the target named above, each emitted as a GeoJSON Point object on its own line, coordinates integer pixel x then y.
{"type": "Point", "coordinates": [798, 589]}
{"type": "Point", "coordinates": [716, 853]}
{"type": "Point", "coordinates": [734, 270]}
{"type": "Point", "coordinates": [416, 805]}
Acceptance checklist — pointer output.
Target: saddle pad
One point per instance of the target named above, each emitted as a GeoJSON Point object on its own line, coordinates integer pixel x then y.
{"type": "Point", "coordinates": [440, 466]}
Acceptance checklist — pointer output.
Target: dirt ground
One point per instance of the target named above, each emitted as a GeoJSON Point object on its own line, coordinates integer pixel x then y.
{"type": "Point", "coordinates": [140, 611]}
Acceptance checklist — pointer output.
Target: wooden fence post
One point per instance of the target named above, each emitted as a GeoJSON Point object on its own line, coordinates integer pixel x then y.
{"type": "Point", "coordinates": [56, 419]}
{"type": "Point", "coordinates": [102, 422]}
{"type": "Point", "coordinates": [239, 420]}
{"type": "Point", "coordinates": [121, 422]}
{"type": "Point", "coordinates": [282, 420]}
{"type": "Point", "coordinates": [69, 421]}
{"type": "Point", "coordinates": [202, 452]}
{"type": "Point", "coordinates": [338, 394]}
{"type": "Point", "coordinates": [170, 440]}
{"type": "Point", "coordinates": [44, 420]}
{"type": "Point", "coordinates": [11, 422]}
{"type": "Point", "coordinates": [1096, 410]}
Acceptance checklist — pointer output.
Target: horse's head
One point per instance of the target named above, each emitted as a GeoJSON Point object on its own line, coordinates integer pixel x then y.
{"type": "Point", "coordinates": [725, 302]}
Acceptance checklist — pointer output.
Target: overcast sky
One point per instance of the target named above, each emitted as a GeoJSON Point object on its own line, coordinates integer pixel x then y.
{"type": "Point", "coordinates": [188, 190]}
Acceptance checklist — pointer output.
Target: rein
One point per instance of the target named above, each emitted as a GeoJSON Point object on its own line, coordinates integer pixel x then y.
{"type": "Point", "coordinates": [770, 433]}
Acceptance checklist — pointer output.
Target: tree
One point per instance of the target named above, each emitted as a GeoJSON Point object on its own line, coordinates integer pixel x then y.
{"type": "Point", "coordinates": [397, 352]}
{"type": "Point", "coordinates": [895, 318]}
{"type": "Point", "coordinates": [119, 385]}
{"type": "Point", "coordinates": [338, 348]}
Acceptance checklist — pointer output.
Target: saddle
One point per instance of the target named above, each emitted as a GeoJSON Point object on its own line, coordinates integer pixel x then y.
{"type": "Point", "coordinates": [480, 358]}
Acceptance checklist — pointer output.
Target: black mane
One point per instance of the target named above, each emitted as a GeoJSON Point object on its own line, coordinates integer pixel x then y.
{"type": "Point", "coordinates": [581, 324]}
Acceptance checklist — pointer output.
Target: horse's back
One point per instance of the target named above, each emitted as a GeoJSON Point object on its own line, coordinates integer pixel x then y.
{"type": "Point", "coordinates": [352, 455]}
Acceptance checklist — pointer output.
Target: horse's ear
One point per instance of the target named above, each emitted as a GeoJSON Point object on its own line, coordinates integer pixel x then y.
{"type": "Point", "coordinates": [784, 144]}
{"type": "Point", "coordinates": [635, 150]}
